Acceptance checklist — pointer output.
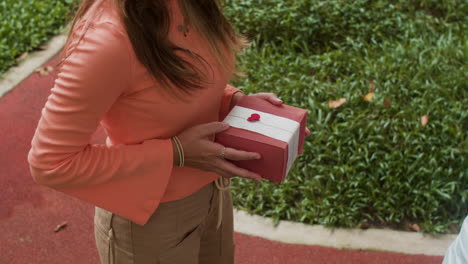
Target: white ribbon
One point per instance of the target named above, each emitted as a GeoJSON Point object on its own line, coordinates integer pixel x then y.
{"type": "Point", "coordinates": [280, 128]}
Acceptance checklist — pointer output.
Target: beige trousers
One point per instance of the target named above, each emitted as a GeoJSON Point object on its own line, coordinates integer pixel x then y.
{"type": "Point", "coordinates": [182, 231]}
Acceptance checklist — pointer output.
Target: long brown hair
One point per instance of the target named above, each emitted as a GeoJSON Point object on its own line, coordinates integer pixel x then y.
{"type": "Point", "coordinates": [147, 24]}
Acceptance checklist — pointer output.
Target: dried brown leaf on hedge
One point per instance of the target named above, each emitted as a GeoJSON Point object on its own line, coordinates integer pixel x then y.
{"type": "Point", "coordinates": [368, 97]}
{"type": "Point", "coordinates": [337, 103]}
{"type": "Point", "coordinates": [424, 120]}
{"type": "Point", "coordinates": [414, 227]}
{"type": "Point", "coordinates": [387, 102]}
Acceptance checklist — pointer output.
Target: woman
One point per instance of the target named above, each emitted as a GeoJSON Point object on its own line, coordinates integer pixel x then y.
{"type": "Point", "coordinates": [155, 75]}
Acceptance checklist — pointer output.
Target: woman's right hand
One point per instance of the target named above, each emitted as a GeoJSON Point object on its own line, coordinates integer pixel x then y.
{"type": "Point", "coordinates": [202, 153]}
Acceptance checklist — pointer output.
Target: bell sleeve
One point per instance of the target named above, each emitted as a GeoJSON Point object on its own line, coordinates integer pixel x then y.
{"type": "Point", "coordinates": [128, 180]}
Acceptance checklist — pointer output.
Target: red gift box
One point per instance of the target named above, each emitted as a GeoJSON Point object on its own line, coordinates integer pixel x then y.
{"type": "Point", "coordinates": [276, 132]}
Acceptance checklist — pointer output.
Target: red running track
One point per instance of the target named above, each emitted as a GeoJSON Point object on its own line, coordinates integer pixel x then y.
{"type": "Point", "coordinates": [29, 213]}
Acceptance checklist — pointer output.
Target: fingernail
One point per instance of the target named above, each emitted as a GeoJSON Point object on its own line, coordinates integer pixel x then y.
{"type": "Point", "coordinates": [279, 100]}
{"type": "Point", "coordinates": [258, 156]}
{"type": "Point", "coordinates": [226, 125]}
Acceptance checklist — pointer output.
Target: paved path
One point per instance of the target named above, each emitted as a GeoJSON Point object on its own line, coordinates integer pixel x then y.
{"type": "Point", "coordinates": [29, 212]}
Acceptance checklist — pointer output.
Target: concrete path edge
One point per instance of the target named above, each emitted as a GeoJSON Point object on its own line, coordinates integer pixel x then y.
{"type": "Point", "coordinates": [357, 239]}
{"type": "Point", "coordinates": [285, 231]}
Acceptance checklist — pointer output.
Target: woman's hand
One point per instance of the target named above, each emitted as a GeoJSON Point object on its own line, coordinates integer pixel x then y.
{"type": "Point", "coordinates": [202, 153]}
{"type": "Point", "coordinates": [270, 97]}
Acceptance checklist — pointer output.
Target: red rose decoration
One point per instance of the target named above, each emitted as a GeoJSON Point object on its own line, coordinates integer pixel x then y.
{"type": "Point", "coordinates": [254, 117]}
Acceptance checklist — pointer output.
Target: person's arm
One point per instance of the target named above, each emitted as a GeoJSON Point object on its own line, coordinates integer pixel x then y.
{"type": "Point", "coordinates": [227, 102]}
{"type": "Point", "coordinates": [128, 180]}
{"type": "Point", "coordinates": [457, 252]}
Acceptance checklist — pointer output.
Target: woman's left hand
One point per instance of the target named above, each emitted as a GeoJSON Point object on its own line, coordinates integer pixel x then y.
{"type": "Point", "coordinates": [270, 97]}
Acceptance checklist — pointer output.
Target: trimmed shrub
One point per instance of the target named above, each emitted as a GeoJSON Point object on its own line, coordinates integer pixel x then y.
{"type": "Point", "coordinates": [26, 24]}
{"type": "Point", "coordinates": [365, 162]}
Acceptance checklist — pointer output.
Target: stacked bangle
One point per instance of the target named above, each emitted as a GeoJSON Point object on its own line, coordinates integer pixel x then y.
{"type": "Point", "coordinates": [180, 150]}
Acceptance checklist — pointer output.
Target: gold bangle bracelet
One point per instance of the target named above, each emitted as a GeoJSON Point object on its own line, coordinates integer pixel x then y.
{"type": "Point", "coordinates": [176, 147]}
{"type": "Point", "coordinates": [180, 150]}
{"type": "Point", "coordinates": [182, 154]}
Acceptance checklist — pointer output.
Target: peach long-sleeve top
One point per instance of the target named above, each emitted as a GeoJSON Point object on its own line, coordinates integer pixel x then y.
{"type": "Point", "coordinates": [102, 82]}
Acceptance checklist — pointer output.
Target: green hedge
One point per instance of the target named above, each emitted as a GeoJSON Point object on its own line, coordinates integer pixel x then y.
{"type": "Point", "coordinates": [26, 24]}
{"type": "Point", "coordinates": [364, 163]}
